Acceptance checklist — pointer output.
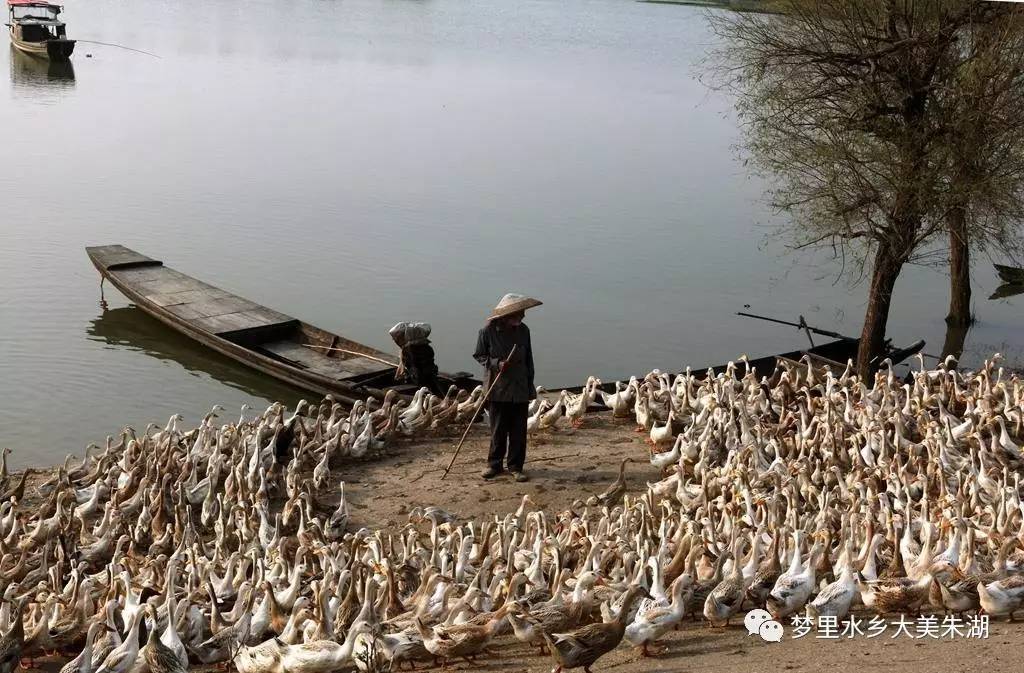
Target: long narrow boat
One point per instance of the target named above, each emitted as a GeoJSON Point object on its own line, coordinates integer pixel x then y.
{"type": "Point", "coordinates": [312, 358]}
{"type": "Point", "coordinates": [276, 344]}
{"type": "Point", "coordinates": [834, 354]}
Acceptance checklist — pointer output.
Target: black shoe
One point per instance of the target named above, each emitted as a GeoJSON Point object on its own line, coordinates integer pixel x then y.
{"type": "Point", "coordinates": [491, 473]}
{"type": "Point", "coordinates": [521, 476]}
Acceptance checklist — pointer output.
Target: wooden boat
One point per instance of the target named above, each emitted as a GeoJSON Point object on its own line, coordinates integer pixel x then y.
{"type": "Point", "coordinates": [1010, 274]}
{"type": "Point", "coordinates": [276, 344]}
{"type": "Point", "coordinates": [834, 354]}
{"type": "Point", "coordinates": [36, 29]}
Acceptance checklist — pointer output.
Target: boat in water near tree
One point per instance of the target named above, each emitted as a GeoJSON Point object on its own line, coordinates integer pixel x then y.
{"type": "Point", "coordinates": [36, 29]}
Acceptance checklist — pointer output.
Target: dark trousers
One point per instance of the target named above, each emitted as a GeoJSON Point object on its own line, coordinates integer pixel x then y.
{"type": "Point", "coordinates": [426, 379]}
{"type": "Point", "coordinates": [508, 434]}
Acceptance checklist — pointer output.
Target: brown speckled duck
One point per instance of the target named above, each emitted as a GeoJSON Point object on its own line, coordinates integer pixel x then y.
{"type": "Point", "coordinates": [582, 647]}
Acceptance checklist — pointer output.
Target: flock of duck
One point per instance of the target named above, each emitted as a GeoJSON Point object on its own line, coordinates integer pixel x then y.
{"type": "Point", "coordinates": [799, 490]}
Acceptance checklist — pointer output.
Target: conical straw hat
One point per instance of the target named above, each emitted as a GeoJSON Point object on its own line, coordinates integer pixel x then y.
{"type": "Point", "coordinates": [513, 303]}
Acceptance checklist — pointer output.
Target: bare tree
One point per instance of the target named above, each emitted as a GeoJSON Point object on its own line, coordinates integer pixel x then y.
{"type": "Point", "coordinates": [846, 107]}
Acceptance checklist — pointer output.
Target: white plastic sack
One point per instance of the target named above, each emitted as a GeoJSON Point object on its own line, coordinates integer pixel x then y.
{"type": "Point", "coordinates": [408, 333]}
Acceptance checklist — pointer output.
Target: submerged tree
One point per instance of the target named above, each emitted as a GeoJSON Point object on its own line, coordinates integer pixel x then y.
{"type": "Point", "coordinates": [847, 107]}
{"type": "Point", "coordinates": [985, 115]}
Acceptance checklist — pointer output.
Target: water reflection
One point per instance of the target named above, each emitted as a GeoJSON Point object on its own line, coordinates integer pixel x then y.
{"type": "Point", "coordinates": [131, 328]}
{"type": "Point", "coordinates": [30, 72]}
{"type": "Point", "coordinates": [956, 337]}
{"type": "Point", "coordinates": [1007, 290]}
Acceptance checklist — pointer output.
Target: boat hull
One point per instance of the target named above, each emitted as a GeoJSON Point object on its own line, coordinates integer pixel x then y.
{"type": "Point", "coordinates": [55, 50]}
{"type": "Point", "coordinates": [832, 353]}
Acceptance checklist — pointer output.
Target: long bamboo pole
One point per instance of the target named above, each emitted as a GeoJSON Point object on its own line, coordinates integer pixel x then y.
{"type": "Point", "coordinates": [348, 352]}
{"type": "Point", "coordinates": [475, 414]}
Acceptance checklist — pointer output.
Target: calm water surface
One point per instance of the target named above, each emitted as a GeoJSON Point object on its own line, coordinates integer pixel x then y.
{"type": "Point", "coordinates": [357, 163]}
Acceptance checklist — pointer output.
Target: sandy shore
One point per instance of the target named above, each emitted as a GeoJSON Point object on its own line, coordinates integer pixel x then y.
{"type": "Point", "coordinates": [565, 466]}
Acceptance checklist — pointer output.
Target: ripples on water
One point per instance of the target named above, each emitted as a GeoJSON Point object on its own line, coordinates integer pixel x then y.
{"type": "Point", "coordinates": [359, 163]}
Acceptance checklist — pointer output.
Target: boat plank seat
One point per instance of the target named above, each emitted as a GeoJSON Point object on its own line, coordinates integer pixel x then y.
{"type": "Point", "coordinates": [321, 363]}
{"type": "Point", "coordinates": [227, 324]}
{"type": "Point", "coordinates": [119, 257]}
{"type": "Point", "coordinates": [170, 283]}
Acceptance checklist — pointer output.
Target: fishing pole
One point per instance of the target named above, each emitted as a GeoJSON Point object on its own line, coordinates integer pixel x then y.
{"type": "Point", "coordinates": [799, 325]}
{"type": "Point", "coordinates": [120, 46]}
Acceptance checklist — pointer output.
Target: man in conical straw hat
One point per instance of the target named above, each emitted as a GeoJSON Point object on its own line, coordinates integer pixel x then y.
{"type": "Point", "coordinates": [509, 399]}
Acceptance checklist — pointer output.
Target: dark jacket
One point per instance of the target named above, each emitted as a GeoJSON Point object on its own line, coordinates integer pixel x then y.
{"type": "Point", "coordinates": [493, 345]}
{"type": "Point", "coordinates": [419, 366]}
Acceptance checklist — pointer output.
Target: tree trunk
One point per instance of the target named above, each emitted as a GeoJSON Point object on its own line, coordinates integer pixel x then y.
{"type": "Point", "coordinates": [872, 339]}
{"type": "Point", "coordinates": [959, 270]}
{"type": "Point", "coordinates": [956, 336]}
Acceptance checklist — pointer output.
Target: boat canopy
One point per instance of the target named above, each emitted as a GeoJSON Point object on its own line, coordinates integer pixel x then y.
{"type": "Point", "coordinates": [33, 11]}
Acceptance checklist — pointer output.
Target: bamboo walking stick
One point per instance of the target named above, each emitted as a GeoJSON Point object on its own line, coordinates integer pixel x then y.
{"type": "Point", "coordinates": [477, 413]}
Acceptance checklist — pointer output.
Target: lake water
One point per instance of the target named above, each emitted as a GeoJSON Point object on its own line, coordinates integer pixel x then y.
{"type": "Point", "coordinates": [359, 162]}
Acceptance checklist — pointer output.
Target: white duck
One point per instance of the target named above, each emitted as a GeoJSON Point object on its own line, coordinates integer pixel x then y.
{"type": "Point", "coordinates": [1002, 597]}
{"type": "Point", "coordinates": [666, 458]}
{"type": "Point", "coordinates": [642, 410]}
{"type": "Point", "coordinates": [836, 598]}
{"type": "Point", "coordinates": [794, 586]}
{"type": "Point", "coordinates": [533, 421]}
{"type": "Point", "coordinates": [651, 624]}
{"type": "Point", "coordinates": [537, 401]}
{"type": "Point", "coordinates": [550, 418]}
{"type": "Point", "coordinates": [576, 407]}
{"type": "Point", "coordinates": [621, 400]}
{"type": "Point", "coordinates": [121, 658]}
{"type": "Point", "coordinates": [661, 435]}
{"type": "Point", "coordinates": [170, 636]}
